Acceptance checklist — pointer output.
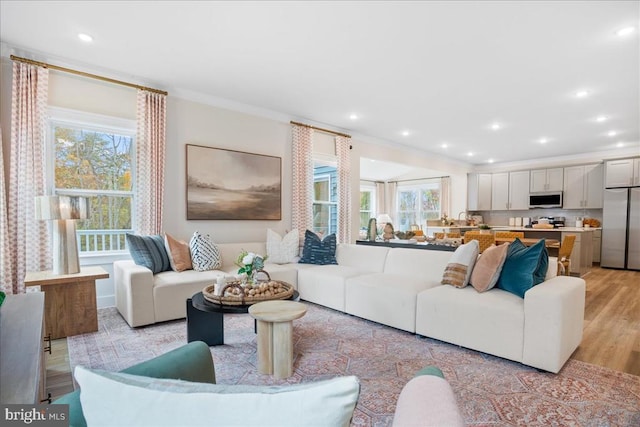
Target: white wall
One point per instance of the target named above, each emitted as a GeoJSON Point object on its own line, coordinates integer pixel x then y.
{"type": "Point", "coordinates": [190, 122]}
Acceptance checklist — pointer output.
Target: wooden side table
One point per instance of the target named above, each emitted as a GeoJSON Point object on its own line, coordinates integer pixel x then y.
{"type": "Point", "coordinates": [69, 299]}
{"type": "Point", "coordinates": [275, 335]}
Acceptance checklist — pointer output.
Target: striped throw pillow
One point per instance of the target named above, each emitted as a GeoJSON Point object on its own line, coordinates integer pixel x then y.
{"type": "Point", "coordinates": [316, 251]}
{"type": "Point", "coordinates": [149, 251]}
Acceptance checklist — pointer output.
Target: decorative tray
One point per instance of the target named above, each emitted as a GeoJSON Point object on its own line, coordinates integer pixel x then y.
{"type": "Point", "coordinates": [235, 293]}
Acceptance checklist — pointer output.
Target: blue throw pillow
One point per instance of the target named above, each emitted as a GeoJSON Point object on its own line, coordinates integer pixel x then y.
{"type": "Point", "coordinates": [149, 251]}
{"type": "Point", "coordinates": [524, 267]}
{"type": "Point", "coordinates": [316, 251]}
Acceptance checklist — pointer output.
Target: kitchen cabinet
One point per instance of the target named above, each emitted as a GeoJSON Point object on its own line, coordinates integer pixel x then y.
{"type": "Point", "coordinates": [546, 180]}
{"type": "Point", "coordinates": [583, 187]}
{"type": "Point", "coordinates": [479, 192]}
{"type": "Point", "coordinates": [636, 172]}
{"type": "Point", "coordinates": [620, 173]}
{"type": "Point", "coordinates": [509, 191]}
{"type": "Point", "coordinates": [582, 253]}
{"type": "Point", "coordinates": [597, 244]}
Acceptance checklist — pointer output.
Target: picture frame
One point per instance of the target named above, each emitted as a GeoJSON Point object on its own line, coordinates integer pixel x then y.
{"type": "Point", "coordinates": [224, 184]}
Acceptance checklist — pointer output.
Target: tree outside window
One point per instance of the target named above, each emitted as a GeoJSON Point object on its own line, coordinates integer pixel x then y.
{"type": "Point", "coordinates": [96, 163]}
{"type": "Point", "coordinates": [416, 204]}
{"type": "Point", "coordinates": [325, 201]}
{"type": "Point", "coordinates": [367, 206]}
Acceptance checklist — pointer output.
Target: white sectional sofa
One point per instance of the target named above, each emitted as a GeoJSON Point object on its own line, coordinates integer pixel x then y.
{"type": "Point", "coordinates": [397, 287]}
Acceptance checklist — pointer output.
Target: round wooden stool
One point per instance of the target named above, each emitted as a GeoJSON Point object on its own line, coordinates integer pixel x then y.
{"type": "Point", "coordinates": [275, 335]}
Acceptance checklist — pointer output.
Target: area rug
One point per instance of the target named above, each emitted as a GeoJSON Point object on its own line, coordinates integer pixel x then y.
{"type": "Point", "coordinates": [490, 391]}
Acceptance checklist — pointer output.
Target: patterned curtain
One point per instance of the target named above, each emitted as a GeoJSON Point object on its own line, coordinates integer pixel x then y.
{"type": "Point", "coordinates": [5, 249]}
{"type": "Point", "coordinates": [392, 196]}
{"type": "Point", "coordinates": [150, 152]}
{"type": "Point", "coordinates": [302, 177]}
{"type": "Point", "coordinates": [343, 151]}
{"type": "Point", "coordinates": [445, 195]}
{"type": "Point", "coordinates": [29, 242]}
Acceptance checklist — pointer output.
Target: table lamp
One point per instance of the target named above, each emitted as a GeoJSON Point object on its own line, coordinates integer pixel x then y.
{"type": "Point", "coordinates": [63, 211]}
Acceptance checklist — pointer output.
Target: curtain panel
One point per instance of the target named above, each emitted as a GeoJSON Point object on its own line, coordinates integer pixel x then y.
{"type": "Point", "coordinates": [28, 239]}
{"type": "Point", "coordinates": [343, 152]}
{"type": "Point", "coordinates": [6, 279]}
{"type": "Point", "coordinates": [150, 161]}
{"type": "Point", "coordinates": [445, 195]}
{"type": "Point", "coordinates": [302, 180]}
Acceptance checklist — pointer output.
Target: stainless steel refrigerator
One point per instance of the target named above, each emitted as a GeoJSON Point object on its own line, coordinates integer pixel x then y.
{"type": "Point", "coordinates": [621, 228]}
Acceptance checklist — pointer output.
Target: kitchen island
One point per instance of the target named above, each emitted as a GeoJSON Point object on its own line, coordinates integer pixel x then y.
{"type": "Point", "coordinates": [585, 249]}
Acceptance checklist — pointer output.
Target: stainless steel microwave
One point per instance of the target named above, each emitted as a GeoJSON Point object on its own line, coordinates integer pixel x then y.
{"type": "Point", "coordinates": [545, 200]}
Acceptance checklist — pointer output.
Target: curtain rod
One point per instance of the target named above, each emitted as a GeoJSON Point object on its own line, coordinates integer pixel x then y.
{"type": "Point", "coordinates": [82, 73]}
{"type": "Point", "coordinates": [321, 129]}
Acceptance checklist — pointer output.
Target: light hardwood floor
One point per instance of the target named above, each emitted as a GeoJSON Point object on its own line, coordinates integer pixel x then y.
{"type": "Point", "coordinates": [611, 329]}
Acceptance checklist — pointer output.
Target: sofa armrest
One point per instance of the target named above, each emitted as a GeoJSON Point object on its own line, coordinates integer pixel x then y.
{"type": "Point", "coordinates": [134, 288]}
{"type": "Point", "coordinates": [553, 321]}
{"type": "Point", "coordinates": [191, 362]}
{"type": "Point", "coordinates": [427, 400]}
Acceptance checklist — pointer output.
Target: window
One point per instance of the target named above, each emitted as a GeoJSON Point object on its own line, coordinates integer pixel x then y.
{"type": "Point", "coordinates": [367, 205]}
{"type": "Point", "coordinates": [416, 203]}
{"type": "Point", "coordinates": [95, 161]}
{"type": "Point", "coordinates": [325, 199]}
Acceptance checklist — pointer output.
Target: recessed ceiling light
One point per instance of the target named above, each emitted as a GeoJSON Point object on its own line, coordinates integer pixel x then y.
{"type": "Point", "coordinates": [612, 133]}
{"type": "Point", "coordinates": [444, 145]}
{"type": "Point", "coordinates": [601, 119]}
{"type": "Point", "coordinates": [353, 117]}
{"type": "Point", "coordinates": [469, 154]}
{"type": "Point", "coordinates": [543, 140]}
{"type": "Point", "coordinates": [582, 94]}
{"type": "Point", "coordinates": [620, 144]}
{"type": "Point", "coordinates": [623, 32]}
{"type": "Point", "coordinates": [85, 37]}
{"type": "Point", "coordinates": [490, 161]}
{"type": "Point", "coordinates": [405, 133]}
{"type": "Point", "coordinates": [496, 126]}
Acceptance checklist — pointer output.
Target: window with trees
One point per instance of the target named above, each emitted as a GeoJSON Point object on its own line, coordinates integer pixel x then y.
{"type": "Point", "coordinates": [325, 198]}
{"type": "Point", "coordinates": [417, 203]}
{"type": "Point", "coordinates": [95, 161]}
{"type": "Point", "coordinates": [367, 205]}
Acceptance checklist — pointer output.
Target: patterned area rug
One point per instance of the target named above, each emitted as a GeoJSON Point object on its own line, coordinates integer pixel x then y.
{"type": "Point", "coordinates": [489, 390]}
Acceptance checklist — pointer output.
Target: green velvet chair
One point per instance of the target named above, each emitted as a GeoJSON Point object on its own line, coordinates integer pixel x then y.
{"type": "Point", "coordinates": [191, 362]}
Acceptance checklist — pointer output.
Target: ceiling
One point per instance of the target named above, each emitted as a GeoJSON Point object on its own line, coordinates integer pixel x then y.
{"type": "Point", "coordinates": [442, 72]}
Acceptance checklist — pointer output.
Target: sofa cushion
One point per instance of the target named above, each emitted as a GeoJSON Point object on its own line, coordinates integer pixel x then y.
{"type": "Point", "coordinates": [282, 250]}
{"type": "Point", "coordinates": [324, 284]}
{"type": "Point", "coordinates": [411, 262]}
{"type": "Point", "coordinates": [458, 271]}
{"type": "Point", "coordinates": [205, 254]}
{"type": "Point", "coordinates": [524, 267]}
{"type": "Point", "coordinates": [316, 251]}
{"type": "Point", "coordinates": [179, 253]}
{"type": "Point", "coordinates": [365, 258]}
{"type": "Point", "coordinates": [148, 251]}
{"type": "Point", "coordinates": [487, 270]}
{"type": "Point", "coordinates": [110, 399]}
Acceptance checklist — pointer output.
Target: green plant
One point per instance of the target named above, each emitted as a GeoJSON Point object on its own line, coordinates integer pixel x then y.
{"type": "Point", "coordinates": [249, 263]}
{"type": "Point", "coordinates": [484, 227]}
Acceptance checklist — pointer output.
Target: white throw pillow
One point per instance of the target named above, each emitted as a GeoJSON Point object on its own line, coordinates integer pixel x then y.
{"type": "Point", "coordinates": [282, 250]}
{"type": "Point", "coordinates": [458, 271]}
{"type": "Point", "coordinates": [205, 255]}
{"type": "Point", "coordinates": [117, 399]}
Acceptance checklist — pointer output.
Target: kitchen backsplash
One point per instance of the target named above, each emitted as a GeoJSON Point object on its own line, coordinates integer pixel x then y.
{"type": "Point", "coordinates": [570, 215]}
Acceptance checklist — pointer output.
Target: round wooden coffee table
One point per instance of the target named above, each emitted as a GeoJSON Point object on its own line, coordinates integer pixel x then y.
{"type": "Point", "coordinates": [275, 335]}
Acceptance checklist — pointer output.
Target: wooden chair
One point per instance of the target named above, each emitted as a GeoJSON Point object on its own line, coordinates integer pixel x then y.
{"type": "Point", "coordinates": [509, 234]}
{"type": "Point", "coordinates": [485, 240]}
{"type": "Point", "coordinates": [453, 235]}
{"type": "Point", "coordinates": [564, 255]}
{"type": "Point", "coordinates": [438, 236]}
{"type": "Point", "coordinates": [471, 232]}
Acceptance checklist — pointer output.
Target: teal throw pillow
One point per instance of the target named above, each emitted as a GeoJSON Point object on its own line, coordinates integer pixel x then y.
{"type": "Point", "coordinates": [524, 267]}
{"type": "Point", "coordinates": [149, 251]}
{"type": "Point", "coordinates": [316, 251]}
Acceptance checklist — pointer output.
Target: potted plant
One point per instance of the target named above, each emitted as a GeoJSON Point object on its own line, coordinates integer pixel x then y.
{"type": "Point", "coordinates": [484, 228]}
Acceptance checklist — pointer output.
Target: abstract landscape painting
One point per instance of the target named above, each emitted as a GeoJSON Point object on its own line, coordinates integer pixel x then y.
{"type": "Point", "coordinates": [227, 184]}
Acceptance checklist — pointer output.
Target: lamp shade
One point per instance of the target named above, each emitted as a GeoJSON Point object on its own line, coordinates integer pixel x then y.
{"type": "Point", "coordinates": [383, 219]}
{"type": "Point", "coordinates": [61, 207]}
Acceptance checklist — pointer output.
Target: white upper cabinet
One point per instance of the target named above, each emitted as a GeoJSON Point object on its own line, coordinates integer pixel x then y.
{"type": "Point", "coordinates": [636, 172]}
{"type": "Point", "coordinates": [583, 187]}
{"type": "Point", "coordinates": [479, 192]}
{"type": "Point", "coordinates": [500, 191]}
{"type": "Point", "coordinates": [518, 194]}
{"type": "Point", "coordinates": [619, 173]}
{"type": "Point", "coordinates": [546, 180]}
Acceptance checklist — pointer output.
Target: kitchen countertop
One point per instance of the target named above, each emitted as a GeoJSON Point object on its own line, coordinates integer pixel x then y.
{"type": "Point", "coordinates": [571, 229]}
